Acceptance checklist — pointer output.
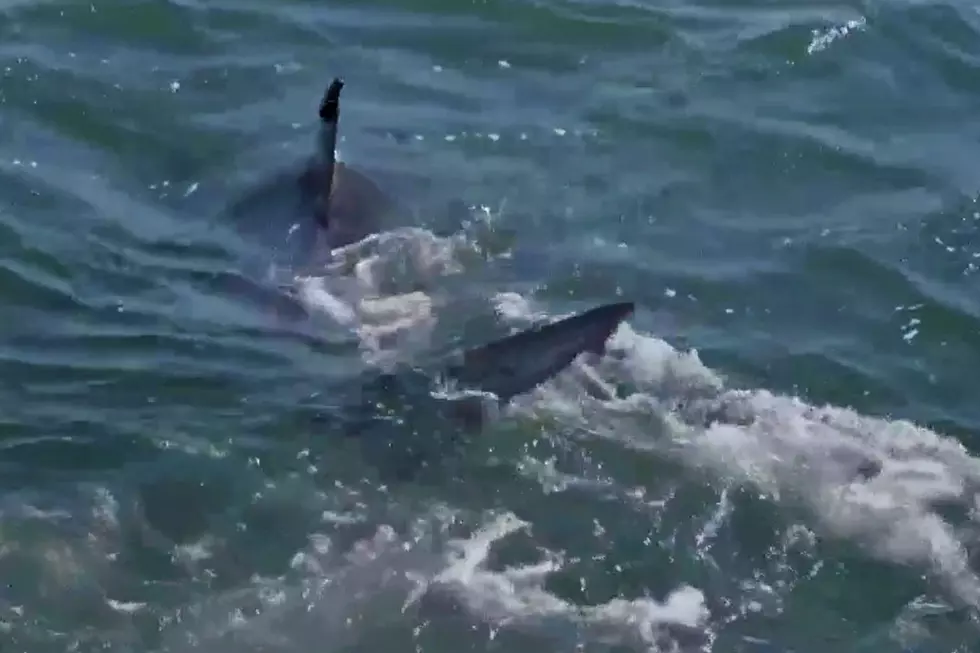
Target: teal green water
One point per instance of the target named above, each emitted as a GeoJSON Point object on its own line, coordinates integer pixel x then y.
{"type": "Point", "coordinates": [787, 190]}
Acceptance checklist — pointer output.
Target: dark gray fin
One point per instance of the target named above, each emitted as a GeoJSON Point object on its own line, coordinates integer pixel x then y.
{"type": "Point", "coordinates": [519, 363]}
{"type": "Point", "coordinates": [327, 149]}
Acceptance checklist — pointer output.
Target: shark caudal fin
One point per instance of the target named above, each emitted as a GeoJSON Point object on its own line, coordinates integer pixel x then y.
{"type": "Point", "coordinates": [518, 363]}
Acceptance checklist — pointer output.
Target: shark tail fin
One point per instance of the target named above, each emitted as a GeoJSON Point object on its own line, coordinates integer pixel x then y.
{"type": "Point", "coordinates": [518, 363]}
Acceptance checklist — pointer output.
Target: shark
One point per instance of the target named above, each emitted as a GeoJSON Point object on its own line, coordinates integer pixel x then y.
{"type": "Point", "coordinates": [333, 206]}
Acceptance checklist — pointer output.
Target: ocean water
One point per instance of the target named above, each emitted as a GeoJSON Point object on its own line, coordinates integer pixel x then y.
{"type": "Point", "coordinates": [787, 190]}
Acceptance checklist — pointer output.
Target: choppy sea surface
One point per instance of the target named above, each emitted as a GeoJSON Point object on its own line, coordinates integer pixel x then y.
{"type": "Point", "coordinates": [787, 190]}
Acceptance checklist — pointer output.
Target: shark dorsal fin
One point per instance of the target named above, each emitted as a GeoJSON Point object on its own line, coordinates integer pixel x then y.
{"type": "Point", "coordinates": [329, 113]}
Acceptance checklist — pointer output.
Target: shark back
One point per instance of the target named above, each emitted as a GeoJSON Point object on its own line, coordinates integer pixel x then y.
{"type": "Point", "coordinates": [316, 206]}
{"type": "Point", "coordinates": [357, 207]}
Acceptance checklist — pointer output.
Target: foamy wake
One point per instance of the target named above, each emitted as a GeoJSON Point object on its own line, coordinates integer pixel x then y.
{"type": "Point", "coordinates": [366, 287]}
{"type": "Point", "coordinates": [335, 596]}
{"type": "Point", "coordinates": [385, 577]}
{"type": "Point", "coordinates": [906, 493]}
{"type": "Point", "coordinates": [517, 596]}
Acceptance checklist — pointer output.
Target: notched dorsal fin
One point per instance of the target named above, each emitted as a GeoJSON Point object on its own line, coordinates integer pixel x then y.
{"type": "Point", "coordinates": [330, 104]}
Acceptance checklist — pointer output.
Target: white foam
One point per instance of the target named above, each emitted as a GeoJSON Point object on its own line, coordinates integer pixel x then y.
{"type": "Point", "coordinates": [372, 287]}
{"type": "Point", "coordinates": [822, 39]}
{"type": "Point", "coordinates": [386, 576]}
{"type": "Point", "coordinates": [824, 457]}
{"type": "Point", "coordinates": [517, 597]}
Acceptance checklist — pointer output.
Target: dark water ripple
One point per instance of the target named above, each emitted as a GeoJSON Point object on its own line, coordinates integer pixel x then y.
{"type": "Point", "coordinates": [789, 190]}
